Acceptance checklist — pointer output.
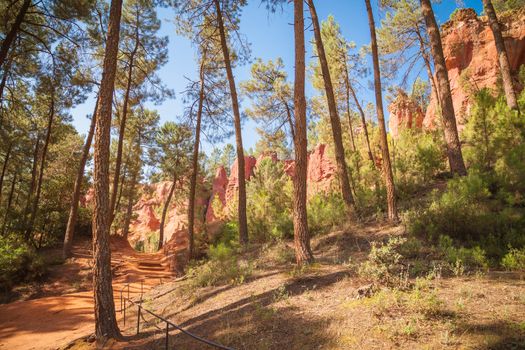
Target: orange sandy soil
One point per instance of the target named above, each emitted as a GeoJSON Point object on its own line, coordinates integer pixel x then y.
{"type": "Point", "coordinates": [59, 314]}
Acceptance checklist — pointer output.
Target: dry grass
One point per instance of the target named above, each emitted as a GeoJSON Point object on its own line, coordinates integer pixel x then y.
{"type": "Point", "coordinates": [281, 307]}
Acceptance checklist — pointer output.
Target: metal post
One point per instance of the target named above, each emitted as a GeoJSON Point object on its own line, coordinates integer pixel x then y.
{"type": "Point", "coordinates": [124, 312]}
{"type": "Point", "coordinates": [141, 289]}
{"type": "Point", "coordinates": [121, 301]}
{"type": "Point", "coordinates": [167, 335]}
{"type": "Point", "coordinates": [138, 320]}
{"type": "Point", "coordinates": [128, 290]}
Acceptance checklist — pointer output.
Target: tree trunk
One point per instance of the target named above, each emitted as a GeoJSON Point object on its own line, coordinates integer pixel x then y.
{"type": "Point", "coordinates": [243, 222]}
{"type": "Point", "coordinates": [363, 123]}
{"type": "Point", "coordinates": [303, 252]}
{"type": "Point", "coordinates": [503, 58]}
{"type": "Point", "coordinates": [31, 223]}
{"type": "Point", "coordinates": [105, 319]}
{"type": "Point", "coordinates": [33, 178]}
{"type": "Point", "coordinates": [348, 110]}
{"type": "Point", "coordinates": [122, 130]}
{"type": "Point", "coordinates": [129, 208]}
{"type": "Point", "coordinates": [165, 212]}
{"type": "Point", "coordinates": [195, 165]}
{"type": "Point", "coordinates": [4, 167]}
{"type": "Point", "coordinates": [73, 210]}
{"type": "Point", "coordinates": [335, 122]}
{"type": "Point", "coordinates": [455, 157]}
{"type": "Point", "coordinates": [9, 202]}
{"type": "Point", "coordinates": [11, 35]}
{"type": "Point", "coordinates": [387, 168]}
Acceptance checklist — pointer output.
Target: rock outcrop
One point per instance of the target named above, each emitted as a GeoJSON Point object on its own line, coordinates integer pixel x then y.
{"type": "Point", "coordinates": [405, 113]}
{"type": "Point", "coordinates": [471, 57]}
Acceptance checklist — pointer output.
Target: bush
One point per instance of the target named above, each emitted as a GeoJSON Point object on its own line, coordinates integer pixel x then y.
{"type": "Point", "coordinates": [224, 266]}
{"type": "Point", "coordinates": [325, 211]}
{"type": "Point", "coordinates": [419, 157]}
{"type": "Point", "coordinates": [461, 257]}
{"type": "Point", "coordinates": [18, 262]}
{"type": "Point", "coordinates": [458, 212]}
{"type": "Point", "coordinates": [384, 263]}
{"type": "Point", "coordinates": [269, 194]}
{"type": "Point", "coordinates": [514, 259]}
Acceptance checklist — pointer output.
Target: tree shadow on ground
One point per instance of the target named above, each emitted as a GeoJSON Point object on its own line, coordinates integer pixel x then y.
{"type": "Point", "coordinates": [254, 323]}
{"type": "Point", "coordinates": [497, 335]}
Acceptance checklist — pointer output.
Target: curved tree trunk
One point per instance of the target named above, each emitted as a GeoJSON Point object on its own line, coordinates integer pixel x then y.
{"type": "Point", "coordinates": [195, 165]}
{"type": "Point", "coordinates": [335, 122]}
{"type": "Point", "coordinates": [105, 319]}
{"type": "Point", "coordinates": [387, 167]}
{"type": "Point", "coordinates": [503, 58]}
{"type": "Point", "coordinates": [11, 35]}
{"type": "Point", "coordinates": [243, 222]}
{"type": "Point", "coordinates": [363, 123]}
{"type": "Point", "coordinates": [31, 223]}
{"type": "Point", "coordinates": [73, 210]}
{"type": "Point", "coordinates": [303, 252]}
{"type": "Point", "coordinates": [165, 212]}
{"type": "Point", "coordinates": [455, 157]}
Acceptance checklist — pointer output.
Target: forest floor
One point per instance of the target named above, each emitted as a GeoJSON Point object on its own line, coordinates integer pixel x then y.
{"type": "Point", "coordinates": [281, 307]}
{"type": "Point", "coordinates": [58, 310]}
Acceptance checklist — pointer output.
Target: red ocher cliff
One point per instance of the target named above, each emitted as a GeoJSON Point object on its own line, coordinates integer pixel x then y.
{"type": "Point", "coordinates": [472, 64]}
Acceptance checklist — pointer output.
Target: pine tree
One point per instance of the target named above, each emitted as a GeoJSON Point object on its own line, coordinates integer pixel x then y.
{"type": "Point", "coordinates": [387, 167]}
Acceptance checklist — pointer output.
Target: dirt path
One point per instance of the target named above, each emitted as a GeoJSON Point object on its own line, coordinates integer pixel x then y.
{"type": "Point", "coordinates": [54, 321]}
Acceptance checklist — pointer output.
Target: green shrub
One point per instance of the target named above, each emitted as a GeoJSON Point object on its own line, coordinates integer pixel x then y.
{"type": "Point", "coordinates": [18, 262]}
{"type": "Point", "coordinates": [224, 266]}
{"type": "Point", "coordinates": [514, 259]}
{"type": "Point", "coordinates": [325, 211]}
{"type": "Point", "coordinates": [384, 263]}
{"type": "Point", "coordinates": [470, 258]}
{"type": "Point", "coordinates": [419, 158]}
{"type": "Point", "coordinates": [458, 212]}
{"type": "Point", "coordinates": [269, 207]}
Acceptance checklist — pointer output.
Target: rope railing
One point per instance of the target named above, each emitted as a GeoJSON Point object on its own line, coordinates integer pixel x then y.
{"type": "Point", "coordinates": [140, 309]}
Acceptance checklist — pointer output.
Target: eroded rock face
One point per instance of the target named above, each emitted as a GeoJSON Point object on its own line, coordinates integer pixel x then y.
{"type": "Point", "coordinates": [321, 172]}
{"type": "Point", "coordinates": [471, 58]}
{"type": "Point", "coordinates": [405, 113]}
{"type": "Point", "coordinates": [218, 193]}
{"type": "Point", "coordinates": [233, 181]}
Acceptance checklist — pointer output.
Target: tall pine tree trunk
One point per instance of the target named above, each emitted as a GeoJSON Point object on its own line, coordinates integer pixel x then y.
{"type": "Point", "coordinates": [335, 122]}
{"type": "Point", "coordinates": [243, 222]}
{"type": "Point", "coordinates": [129, 207]}
{"type": "Point", "coordinates": [122, 129]}
{"type": "Point", "coordinates": [363, 119]}
{"type": "Point", "coordinates": [503, 58]}
{"type": "Point", "coordinates": [105, 320]}
{"type": "Point", "coordinates": [303, 252]}
{"type": "Point", "coordinates": [195, 164]}
{"type": "Point", "coordinates": [165, 212]}
{"type": "Point", "coordinates": [34, 171]}
{"type": "Point", "coordinates": [9, 202]}
{"type": "Point", "coordinates": [11, 35]}
{"type": "Point", "coordinates": [455, 157]}
{"type": "Point", "coordinates": [31, 223]}
{"type": "Point", "coordinates": [4, 166]}
{"type": "Point", "coordinates": [75, 197]}
{"type": "Point", "coordinates": [387, 167]}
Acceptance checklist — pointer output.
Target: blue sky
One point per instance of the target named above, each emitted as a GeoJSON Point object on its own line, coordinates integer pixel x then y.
{"type": "Point", "coordinates": [270, 36]}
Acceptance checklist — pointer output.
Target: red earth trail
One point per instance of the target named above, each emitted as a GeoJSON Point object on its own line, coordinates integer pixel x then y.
{"type": "Point", "coordinates": [54, 321]}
